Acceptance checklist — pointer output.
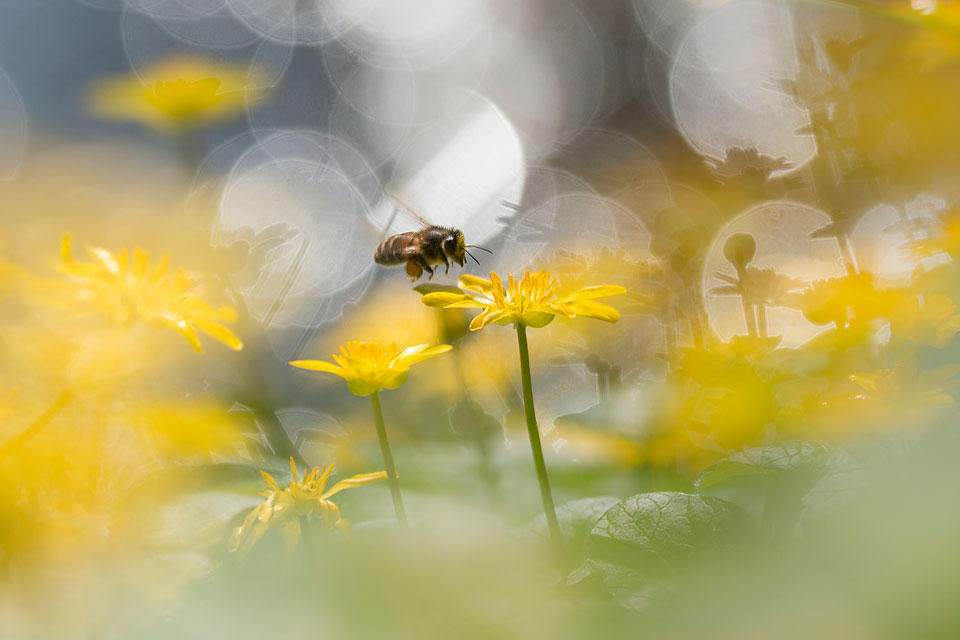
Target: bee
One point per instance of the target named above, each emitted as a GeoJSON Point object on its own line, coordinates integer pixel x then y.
{"type": "Point", "coordinates": [422, 250]}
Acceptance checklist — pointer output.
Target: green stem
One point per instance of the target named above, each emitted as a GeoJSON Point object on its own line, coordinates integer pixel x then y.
{"type": "Point", "coordinates": [534, 432]}
{"type": "Point", "coordinates": [190, 147]}
{"type": "Point", "coordinates": [749, 316]}
{"type": "Point", "coordinates": [603, 382]}
{"type": "Point", "coordinates": [763, 326]}
{"type": "Point", "coordinates": [392, 479]}
{"type": "Point", "coordinates": [255, 392]}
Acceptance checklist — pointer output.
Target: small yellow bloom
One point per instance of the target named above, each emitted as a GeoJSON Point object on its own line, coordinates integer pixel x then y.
{"type": "Point", "coordinates": [934, 323]}
{"type": "Point", "coordinates": [897, 398]}
{"type": "Point", "coordinates": [127, 287]}
{"type": "Point", "coordinates": [946, 240]}
{"type": "Point", "coordinates": [906, 386]}
{"type": "Point", "coordinates": [369, 367]}
{"type": "Point", "coordinates": [303, 497]}
{"type": "Point", "coordinates": [533, 300]}
{"type": "Point", "coordinates": [174, 94]}
{"type": "Point", "coordinates": [845, 301]}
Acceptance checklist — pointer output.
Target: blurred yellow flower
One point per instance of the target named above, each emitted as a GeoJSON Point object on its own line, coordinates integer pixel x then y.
{"type": "Point", "coordinates": [284, 508]}
{"type": "Point", "coordinates": [905, 385]}
{"type": "Point", "coordinates": [947, 240]}
{"type": "Point", "coordinates": [728, 390]}
{"type": "Point", "coordinates": [125, 288]}
{"type": "Point", "coordinates": [175, 94]}
{"type": "Point", "coordinates": [198, 426]}
{"type": "Point", "coordinates": [933, 323]}
{"type": "Point", "coordinates": [642, 278]}
{"type": "Point", "coordinates": [532, 301]}
{"type": "Point", "coordinates": [896, 398]}
{"type": "Point", "coordinates": [845, 301]}
{"type": "Point", "coordinates": [369, 367]}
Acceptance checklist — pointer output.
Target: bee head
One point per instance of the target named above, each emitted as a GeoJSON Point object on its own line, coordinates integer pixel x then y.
{"type": "Point", "coordinates": [455, 247]}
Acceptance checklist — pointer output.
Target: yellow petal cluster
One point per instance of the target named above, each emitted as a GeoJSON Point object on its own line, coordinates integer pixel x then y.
{"type": "Point", "coordinates": [933, 322]}
{"type": "Point", "coordinates": [303, 497]}
{"type": "Point", "coordinates": [174, 94]}
{"type": "Point", "coordinates": [126, 287]}
{"type": "Point", "coordinates": [944, 240]}
{"type": "Point", "coordinates": [369, 367]}
{"type": "Point", "coordinates": [846, 301]}
{"type": "Point", "coordinates": [533, 300]}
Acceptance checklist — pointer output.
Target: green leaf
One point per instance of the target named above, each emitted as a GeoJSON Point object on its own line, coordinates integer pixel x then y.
{"type": "Point", "coordinates": [657, 531]}
{"type": "Point", "coordinates": [626, 585]}
{"type": "Point", "coordinates": [576, 517]}
{"type": "Point", "coordinates": [842, 479]}
{"type": "Point", "coordinates": [793, 455]}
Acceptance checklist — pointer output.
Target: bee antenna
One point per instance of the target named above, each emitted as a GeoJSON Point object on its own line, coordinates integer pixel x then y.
{"type": "Point", "coordinates": [476, 246]}
{"type": "Point", "coordinates": [510, 205]}
{"type": "Point", "coordinates": [474, 258]}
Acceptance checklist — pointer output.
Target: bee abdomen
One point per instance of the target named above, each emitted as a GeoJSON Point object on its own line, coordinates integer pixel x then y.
{"type": "Point", "coordinates": [392, 250]}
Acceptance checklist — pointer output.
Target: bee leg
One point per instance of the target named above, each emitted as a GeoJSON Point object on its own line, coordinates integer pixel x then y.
{"type": "Point", "coordinates": [414, 270]}
{"type": "Point", "coordinates": [446, 263]}
{"type": "Point", "coordinates": [430, 271]}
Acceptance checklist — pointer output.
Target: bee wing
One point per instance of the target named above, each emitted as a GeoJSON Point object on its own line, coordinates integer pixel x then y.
{"type": "Point", "coordinates": [406, 207]}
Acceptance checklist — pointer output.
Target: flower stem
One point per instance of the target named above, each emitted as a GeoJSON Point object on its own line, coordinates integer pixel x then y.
{"type": "Point", "coordinates": [255, 391]}
{"type": "Point", "coordinates": [392, 479]}
{"type": "Point", "coordinates": [534, 432]}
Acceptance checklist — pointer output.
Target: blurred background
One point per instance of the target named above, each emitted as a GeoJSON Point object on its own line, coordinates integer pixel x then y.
{"type": "Point", "coordinates": [192, 192]}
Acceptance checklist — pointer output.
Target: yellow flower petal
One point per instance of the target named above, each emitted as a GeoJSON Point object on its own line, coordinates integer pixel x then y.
{"type": "Point", "coordinates": [355, 481]}
{"type": "Point", "coordinates": [318, 365]}
{"type": "Point", "coordinates": [473, 283]}
{"type": "Point", "coordinates": [218, 332]}
{"type": "Point", "coordinates": [370, 366]}
{"type": "Point", "coordinates": [419, 353]}
{"type": "Point", "coordinates": [533, 300]}
{"type": "Point", "coordinates": [180, 326]}
{"type": "Point", "coordinates": [270, 481]}
{"type": "Point", "coordinates": [598, 310]}
{"type": "Point", "coordinates": [445, 299]}
{"type": "Point", "coordinates": [485, 318]}
{"type": "Point", "coordinates": [565, 310]}
{"type": "Point", "coordinates": [251, 537]}
{"type": "Point", "coordinates": [599, 291]}
{"type": "Point", "coordinates": [241, 532]}
{"type": "Point", "coordinates": [125, 287]}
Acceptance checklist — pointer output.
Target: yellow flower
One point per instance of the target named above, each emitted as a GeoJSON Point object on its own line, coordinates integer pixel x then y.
{"type": "Point", "coordinates": [846, 301]}
{"type": "Point", "coordinates": [906, 385]}
{"type": "Point", "coordinates": [533, 300]}
{"type": "Point", "coordinates": [174, 94]}
{"type": "Point", "coordinates": [303, 497]}
{"type": "Point", "coordinates": [181, 427]}
{"type": "Point", "coordinates": [933, 323]}
{"type": "Point", "coordinates": [369, 367]}
{"type": "Point", "coordinates": [947, 240]}
{"type": "Point", "coordinates": [127, 287]}
{"type": "Point", "coordinates": [897, 398]}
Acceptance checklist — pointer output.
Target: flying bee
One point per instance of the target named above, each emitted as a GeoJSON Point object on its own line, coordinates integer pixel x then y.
{"type": "Point", "coordinates": [422, 250]}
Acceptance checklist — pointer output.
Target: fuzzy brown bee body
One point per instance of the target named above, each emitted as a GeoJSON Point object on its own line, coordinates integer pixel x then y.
{"type": "Point", "coordinates": [422, 250]}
